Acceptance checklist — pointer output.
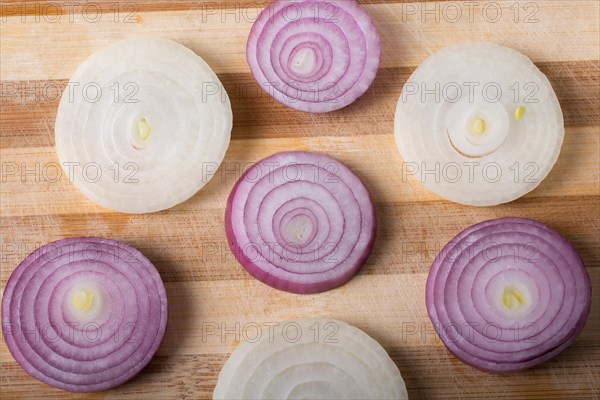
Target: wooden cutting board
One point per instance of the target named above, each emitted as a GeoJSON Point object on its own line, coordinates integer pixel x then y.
{"type": "Point", "coordinates": [43, 42]}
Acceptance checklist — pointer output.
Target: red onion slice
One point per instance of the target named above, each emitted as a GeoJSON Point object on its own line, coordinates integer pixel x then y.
{"type": "Point", "coordinates": [84, 314]}
{"type": "Point", "coordinates": [300, 222]}
{"type": "Point", "coordinates": [508, 294]}
{"type": "Point", "coordinates": [314, 56]}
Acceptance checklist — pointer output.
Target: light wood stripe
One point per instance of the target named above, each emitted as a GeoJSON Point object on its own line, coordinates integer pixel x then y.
{"type": "Point", "coordinates": [32, 173]}
{"type": "Point", "coordinates": [191, 246]}
{"type": "Point", "coordinates": [29, 107]}
{"type": "Point", "coordinates": [406, 40]}
{"type": "Point", "coordinates": [51, 8]}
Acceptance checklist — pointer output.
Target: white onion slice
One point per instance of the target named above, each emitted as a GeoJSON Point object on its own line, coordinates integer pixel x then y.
{"type": "Point", "coordinates": [313, 358]}
{"type": "Point", "coordinates": [479, 124]}
{"type": "Point", "coordinates": [142, 124]}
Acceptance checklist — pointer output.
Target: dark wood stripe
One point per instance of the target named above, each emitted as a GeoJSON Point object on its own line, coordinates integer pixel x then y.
{"type": "Point", "coordinates": [28, 107]}
{"type": "Point", "coordinates": [406, 243]}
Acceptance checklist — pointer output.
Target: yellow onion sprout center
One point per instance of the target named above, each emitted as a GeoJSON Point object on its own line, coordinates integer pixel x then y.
{"type": "Point", "coordinates": [478, 127]}
{"type": "Point", "coordinates": [512, 298]}
{"type": "Point", "coordinates": [83, 300]}
{"type": "Point", "coordinates": [143, 129]}
{"type": "Point", "coordinates": [519, 113]}
{"type": "Point", "coordinates": [86, 301]}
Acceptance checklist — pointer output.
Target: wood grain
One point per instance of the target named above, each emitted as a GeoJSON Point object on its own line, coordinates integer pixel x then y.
{"type": "Point", "coordinates": [187, 244]}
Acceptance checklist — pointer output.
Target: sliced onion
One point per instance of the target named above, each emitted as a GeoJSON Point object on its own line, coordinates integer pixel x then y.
{"type": "Point", "coordinates": [142, 125]}
{"type": "Point", "coordinates": [84, 314]}
{"type": "Point", "coordinates": [508, 294]}
{"type": "Point", "coordinates": [314, 358]}
{"type": "Point", "coordinates": [314, 56]}
{"type": "Point", "coordinates": [479, 124]}
{"type": "Point", "coordinates": [300, 222]}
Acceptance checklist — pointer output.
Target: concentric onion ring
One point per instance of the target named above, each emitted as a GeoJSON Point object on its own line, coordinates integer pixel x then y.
{"type": "Point", "coordinates": [314, 56]}
{"type": "Point", "coordinates": [479, 124]}
{"type": "Point", "coordinates": [508, 294]}
{"type": "Point", "coordinates": [142, 125]}
{"type": "Point", "coordinates": [300, 222]}
{"type": "Point", "coordinates": [314, 358]}
{"type": "Point", "coordinates": [84, 314]}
